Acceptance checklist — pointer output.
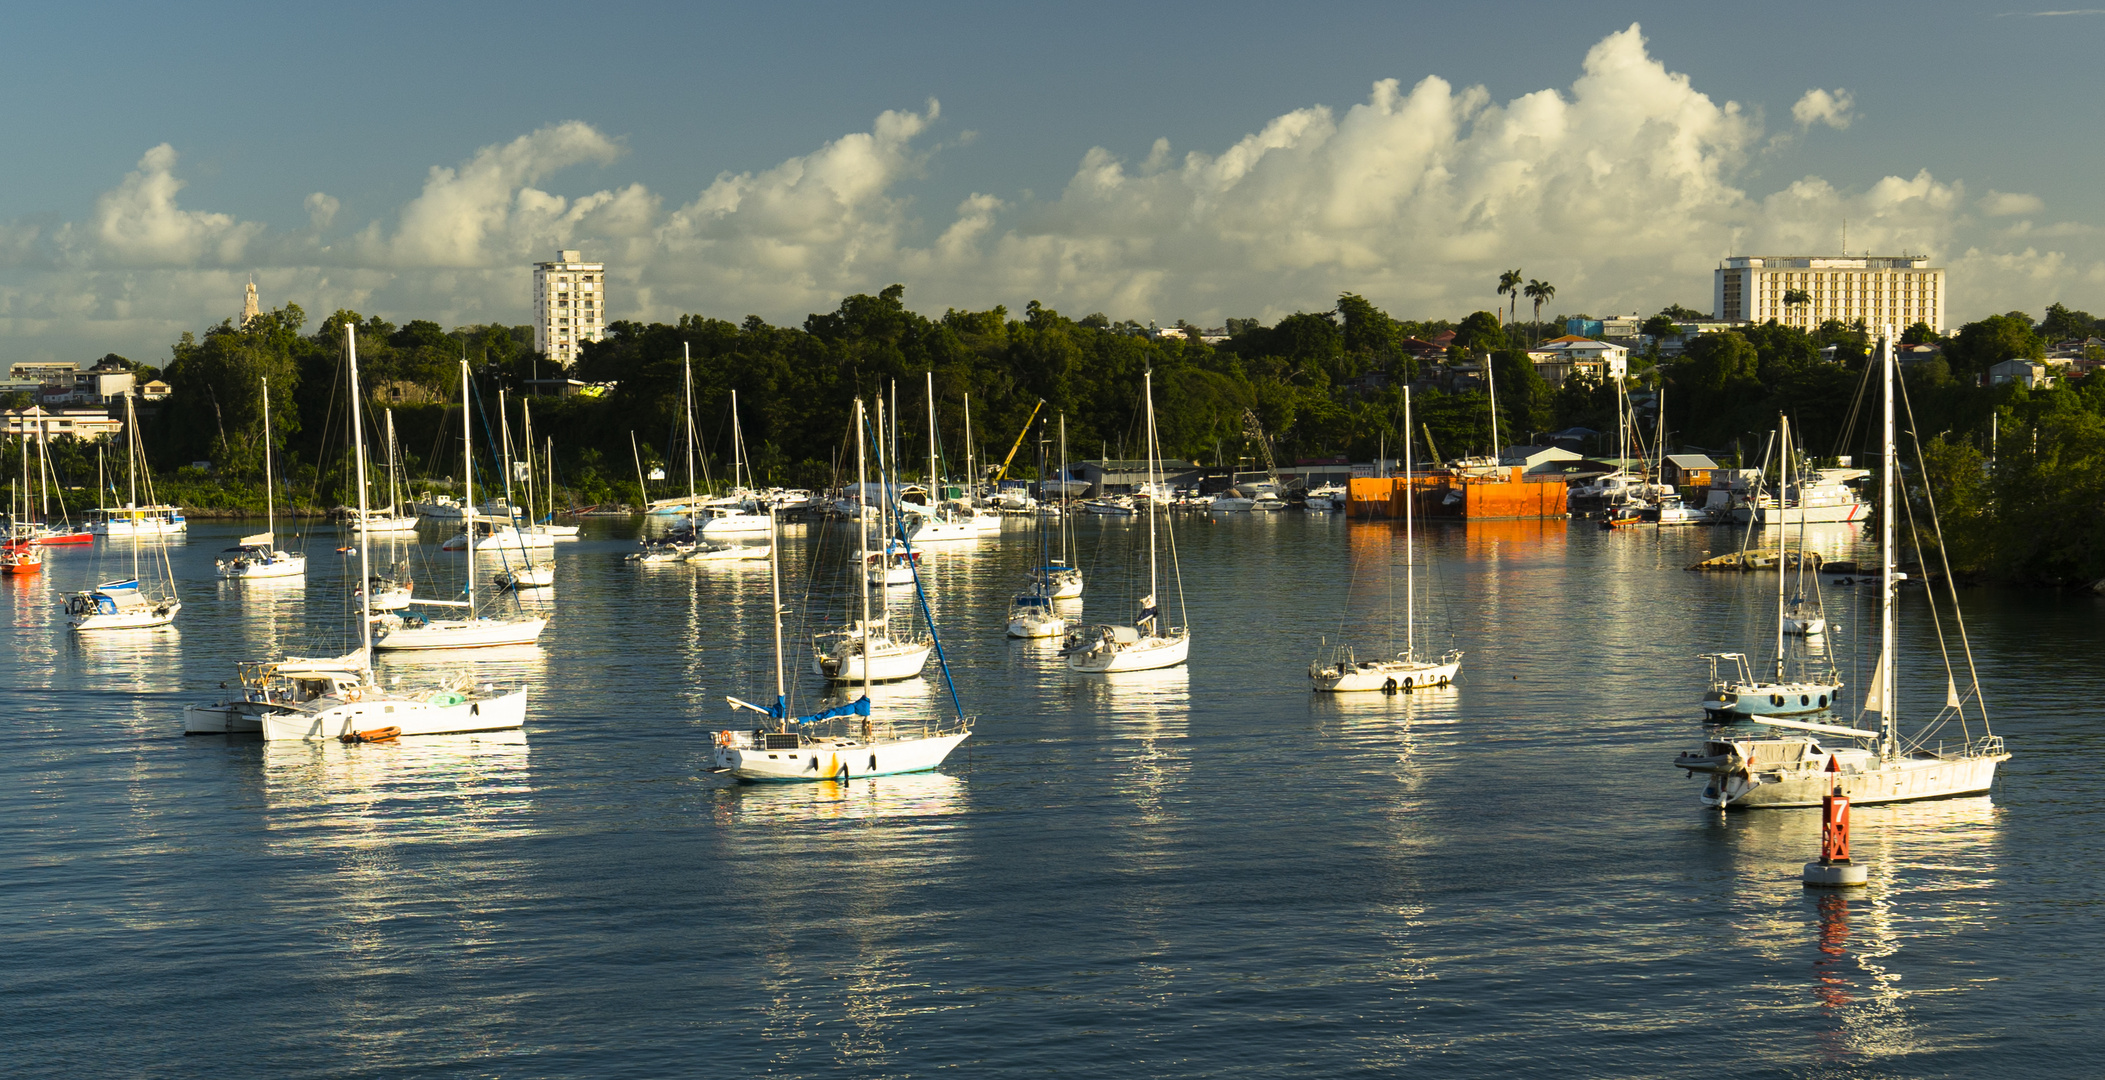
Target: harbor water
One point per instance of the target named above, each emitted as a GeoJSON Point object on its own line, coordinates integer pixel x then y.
{"type": "Point", "coordinates": [1206, 871]}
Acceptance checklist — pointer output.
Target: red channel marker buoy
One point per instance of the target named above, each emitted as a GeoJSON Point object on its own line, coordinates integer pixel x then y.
{"type": "Point", "coordinates": [1834, 870]}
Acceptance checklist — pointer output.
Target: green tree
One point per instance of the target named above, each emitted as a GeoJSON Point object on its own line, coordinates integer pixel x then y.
{"type": "Point", "coordinates": [2062, 324]}
{"type": "Point", "coordinates": [1509, 286]}
{"type": "Point", "coordinates": [1480, 332]}
{"type": "Point", "coordinates": [1919, 334]}
{"type": "Point", "coordinates": [1540, 292]}
{"type": "Point", "coordinates": [1981, 345]}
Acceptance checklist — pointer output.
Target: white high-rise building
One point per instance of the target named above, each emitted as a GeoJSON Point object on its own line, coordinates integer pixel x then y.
{"type": "Point", "coordinates": [570, 305]}
{"type": "Point", "coordinates": [1896, 291]}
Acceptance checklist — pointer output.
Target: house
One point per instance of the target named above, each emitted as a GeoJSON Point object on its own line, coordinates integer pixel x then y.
{"type": "Point", "coordinates": [1535, 458]}
{"type": "Point", "coordinates": [2032, 375]}
{"type": "Point", "coordinates": [1560, 358]}
{"type": "Point", "coordinates": [155, 390]}
{"type": "Point", "coordinates": [1420, 349]}
{"type": "Point", "coordinates": [1689, 470]}
{"type": "Point", "coordinates": [1444, 340]}
{"type": "Point", "coordinates": [89, 425]}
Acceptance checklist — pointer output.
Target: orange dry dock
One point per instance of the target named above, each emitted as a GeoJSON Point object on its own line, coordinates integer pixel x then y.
{"type": "Point", "coordinates": [1505, 493]}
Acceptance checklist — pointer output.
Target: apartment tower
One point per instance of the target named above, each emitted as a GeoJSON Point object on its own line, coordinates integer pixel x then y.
{"type": "Point", "coordinates": [570, 305]}
{"type": "Point", "coordinates": [1896, 291]}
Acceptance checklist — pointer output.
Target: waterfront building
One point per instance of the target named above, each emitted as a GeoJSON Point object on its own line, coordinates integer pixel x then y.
{"type": "Point", "coordinates": [88, 425]}
{"type": "Point", "coordinates": [1560, 358]}
{"type": "Point", "coordinates": [570, 305]}
{"type": "Point", "coordinates": [1897, 291]}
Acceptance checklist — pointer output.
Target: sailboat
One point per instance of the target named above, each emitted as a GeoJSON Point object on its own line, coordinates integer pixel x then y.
{"type": "Point", "coordinates": [548, 523]}
{"type": "Point", "coordinates": [18, 552]}
{"type": "Point", "coordinates": [867, 650]}
{"type": "Point", "coordinates": [1146, 643]}
{"type": "Point", "coordinates": [1734, 693]}
{"type": "Point", "coordinates": [1406, 671]}
{"type": "Point", "coordinates": [942, 524]}
{"type": "Point", "coordinates": [680, 543]}
{"type": "Point", "coordinates": [1032, 613]}
{"type": "Point", "coordinates": [258, 556]}
{"type": "Point", "coordinates": [42, 532]}
{"type": "Point", "coordinates": [310, 700]}
{"type": "Point", "coordinates": [1869, 765]}
{"type": "Point", "coordinates": [125, 605]}
{"type": "Point", "coordinates": [389, 520]}
{"type": "Point", "coordinates": [470, 631]}
{"type": "Point", "coordinates": [1065, 576]}
{"type": "Point", "coordinates": [737, 517]}
{"type": "Point", "coordinates": [838, 743]}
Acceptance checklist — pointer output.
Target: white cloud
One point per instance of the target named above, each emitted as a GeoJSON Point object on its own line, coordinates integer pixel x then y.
{"type": "Point", "coordinates": [2007, 204]}
{"type": "Point", "coordinates": [1830, 107]}
{"type": "Point", "coordinates": [1623, 190]}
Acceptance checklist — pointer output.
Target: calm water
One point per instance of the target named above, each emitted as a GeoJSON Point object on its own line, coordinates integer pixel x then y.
{"type": "Point", "coordinates": [1200, 872]}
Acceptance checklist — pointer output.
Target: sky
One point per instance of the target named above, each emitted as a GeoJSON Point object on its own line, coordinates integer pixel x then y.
{"type": "Point", "coordinates": [1152, 162]}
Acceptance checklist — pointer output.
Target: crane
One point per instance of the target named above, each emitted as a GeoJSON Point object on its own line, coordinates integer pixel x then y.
{"type": "Point", "coordinates": [1020, 436]}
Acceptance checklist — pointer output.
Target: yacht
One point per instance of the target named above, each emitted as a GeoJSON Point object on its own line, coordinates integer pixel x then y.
{"type": "Point", "coordinates": [1148, 642]}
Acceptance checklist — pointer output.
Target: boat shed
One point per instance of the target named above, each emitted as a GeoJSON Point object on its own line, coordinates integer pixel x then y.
{"type": "Point", "coordinates": [1125, 476]}
{"type": "Point", "coordinates": [1532, 457]}
{"type": "Point", "coordinates": [1689, 470]}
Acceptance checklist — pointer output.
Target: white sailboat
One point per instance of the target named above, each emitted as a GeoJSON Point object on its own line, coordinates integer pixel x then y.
{"type": "Point", "coordinates": [1734, 693]}
{"type": "Point", "coordinates": [1065, 576]}
{"type": "Point", "coordinates": [388, 520]}
{"type": "Point", "coordinates": [1343, 673]}
{"type": "Point", "coordinates": [1032, 614]}
{"type": "Point", "coordinates": [470, 630]}
{"type": "Point", "coordinates": [740, 517]}
{"type": "Point", "coordinates": [836, 744]}
{"type": "Point", "coordinates": [258, 556]}
{"type": "Point", "coordinates": [679, 544]}
{"type": "Point", "coordinates": [125, 604]}
{"type": "Point", "coordinates": [1869, 765]}
{"type": "Point", "coordinates": [1147, 643]}
{"type": "Point", "coordinates": [867, 649]}
{"type": "Point", "coordinates": [942, 524]}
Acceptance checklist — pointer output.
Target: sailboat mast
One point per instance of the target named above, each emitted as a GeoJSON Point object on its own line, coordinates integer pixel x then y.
{"type": "Point", "coordinates": [862, 537]}
{"type": "Point", "coordinates": [971, 466]}
{"type": "Point", "coordinates": [1491, 383]}
{"type": "Point", "coordinates": [527, 444]}
{"type": "Point", "coordinates": [1783, 533]}
{"type": "Point", "coordinates": [131, 469]}
{"type": "Point", "coordinates": [365, 572]}
{"type": "Point", "coordinates": [504, 435]}
{"type": "Point", "coordinates": [687, 399]}
{"type": "Point", "coordinates": [270, 504]}
{"type": "Point", "coordinates": [1147, 382]}
{"type": "Point", "coordinates": [774, 584]}
{"type": "Point", "coordinates": [642, 492]}
{"type": "Point", "coordinates": [1889, 613]}
{"type": "Point", "coordinates": [1410, 558]}
{"type": "Point", "coordinates": [467, 461]}
{"type": "Point", "coordinates": [935, 464]}
{"type": "Point", "coordinates": [394, 502]}
{"type": "Point", "coordinates": [1063, 489]}
{"type": "Point", "coordinates": [738, 445]}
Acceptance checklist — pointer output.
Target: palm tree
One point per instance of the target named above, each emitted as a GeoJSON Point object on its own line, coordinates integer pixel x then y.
{"type": "Point", "coordinates": [1797, 298]}
{"type": "Point", "coordinates": [1540, 292]}
{"type": "Point", "coordinates": [1509, 285]}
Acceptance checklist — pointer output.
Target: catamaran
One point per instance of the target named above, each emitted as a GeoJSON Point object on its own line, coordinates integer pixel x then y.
{"type": "Point", "coordinates": [1734, 693]}
{"type": "Point", "coordinates": [470, 631]}
{"type": "Point", "coordinates": [1810, 760]}
{"type": "Point", "coordinates": [1407, 670]}
{"type": "Point", "coordinates": [1147, 643]}
{"type": "Point", "coordinates": [126, 605]}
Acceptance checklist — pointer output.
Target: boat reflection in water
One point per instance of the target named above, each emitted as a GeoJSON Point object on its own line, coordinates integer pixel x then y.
{"type": "Point", "coordinates": [326, 795]}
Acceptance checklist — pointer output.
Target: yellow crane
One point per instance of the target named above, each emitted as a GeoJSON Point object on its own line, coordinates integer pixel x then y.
{"type": "Point", "coordinates": [1024, 434]}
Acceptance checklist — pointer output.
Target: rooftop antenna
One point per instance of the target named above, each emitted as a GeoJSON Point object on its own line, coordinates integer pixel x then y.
{"type": "Point", "coordinates": [1845, 236]}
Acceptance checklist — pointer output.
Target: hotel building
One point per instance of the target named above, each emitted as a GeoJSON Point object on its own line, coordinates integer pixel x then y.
{"type": "Point", "coordinates": [1895, 291]}
{"type": "Point", "coordinates": [570, 305]}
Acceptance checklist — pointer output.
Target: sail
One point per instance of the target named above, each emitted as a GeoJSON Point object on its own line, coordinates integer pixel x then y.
{"type": "Point", "coordinates": [257, 540]}
{"type": "Point", "coordinates": [1951, 692]}
{"type": "Point", "coordinates": [1875, 694]}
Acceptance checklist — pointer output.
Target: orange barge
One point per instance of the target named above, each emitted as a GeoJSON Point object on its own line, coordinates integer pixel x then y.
{"type": "Point", "coordinates": [1478, 494]}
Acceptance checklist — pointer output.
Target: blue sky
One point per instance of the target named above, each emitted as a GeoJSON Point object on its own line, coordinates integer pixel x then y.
{"type": "Point", "coordinates": [732, 160]}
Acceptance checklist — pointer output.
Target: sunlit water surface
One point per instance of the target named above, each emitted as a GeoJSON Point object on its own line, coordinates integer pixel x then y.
{"type": "Point", "coordinates": [1199, 872]}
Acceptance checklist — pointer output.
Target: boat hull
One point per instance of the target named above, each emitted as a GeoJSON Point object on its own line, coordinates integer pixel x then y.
{"type": "Point", "coordinates": [334, 718]}
{"type": "Point", "coordinates": [846, 761]}
{"type": "Point", "coordinates": [890, 663]}
{"type": "Point", "coordinates": [1739, 702]}
{"type": "Point", "coordinates": [279, 566]}
{"type": "Point", "coordinates": [127, 619]}
{"type": "Point", "coordinates": [1906, 780]}
{"type": "Point", "coordinates": [1765, 516]}
{"type": "Point", "coordinates": [736, 525]}
{"type": "Point", "coordinates": [1377, 675]}
{"type": "Point", "coordinates": [1147, 654]}
{"type": "Point", "coordinates": [1037, 625]}
{"type": "Point", "coordinates": [462, 634]}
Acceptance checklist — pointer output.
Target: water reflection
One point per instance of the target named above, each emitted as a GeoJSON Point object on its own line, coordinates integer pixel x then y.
{"type": "Point", "coordinates": [908, 796]}
{"type": "Point", "coordinates": [148, 658]}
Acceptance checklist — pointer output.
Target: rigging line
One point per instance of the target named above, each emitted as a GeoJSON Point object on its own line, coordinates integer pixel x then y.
{"type": "Point", "coordinates": [921, 594]}
{"type": "Point", "coordinates": [1951, 583]}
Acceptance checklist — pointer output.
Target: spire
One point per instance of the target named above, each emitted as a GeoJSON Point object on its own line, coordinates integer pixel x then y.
{"type": "Point", "coordinates": [249, 307]}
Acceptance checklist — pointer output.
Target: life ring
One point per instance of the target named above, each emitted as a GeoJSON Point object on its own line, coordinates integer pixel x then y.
{"type": "Point", "coordinates": [726, 739]}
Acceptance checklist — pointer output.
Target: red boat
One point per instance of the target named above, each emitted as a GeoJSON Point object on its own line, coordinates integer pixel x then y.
{"type": "Point", "coordinates": [19, 558]}
{"type": "Point", "coordinates": [49, 538]}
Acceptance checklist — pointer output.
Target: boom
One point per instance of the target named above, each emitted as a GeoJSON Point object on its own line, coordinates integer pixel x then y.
{"type": "Point", "coordinates": [1020, 436]}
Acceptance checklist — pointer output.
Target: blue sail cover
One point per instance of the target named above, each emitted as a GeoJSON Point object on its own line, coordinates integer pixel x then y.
{"type": "Point", "coordinates": [858, 707]}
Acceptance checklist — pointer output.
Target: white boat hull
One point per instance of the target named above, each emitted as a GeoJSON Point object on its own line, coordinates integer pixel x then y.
{"type": "Point", "coordinates": [280, 565]}
{"type": "Point", "coordinates": [1375, 675]}
{"type": "Point", "coordinates": [732, 554]}
{"type": "Point", "coordinates": [462, 634]}
{"type": "Point", "coordinates": [1741, 700]}
{"type": "Point", "coordinates": [1146, 654]}
{"type": "Point", "coordinates": [527, 577]}
{"type": "Point", "coordinates": [891, 662]}
{"type": "Point", "coordinates": [1766, 516]}
{"type": "Point", "coordinates": [1038, 624]}
{"type": "Point", "coordinates": [944, 532]}
{"type": "Point", "coordinates": [331, 718]}
{"type": "Point", "coordinates": [735, 525]}
{"type": "Point", "coordinates": [838, 761]}
{"type": "Point", "coordinates": [1904, 780]}
{"type": "Point", "coordinates": [391, 526]}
